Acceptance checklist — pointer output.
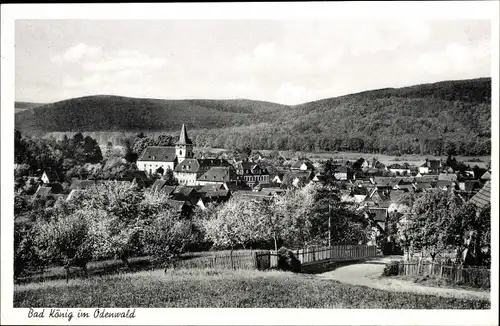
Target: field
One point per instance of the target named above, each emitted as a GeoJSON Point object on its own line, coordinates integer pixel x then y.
{"type": "Point", "coordinates": [199, 288]}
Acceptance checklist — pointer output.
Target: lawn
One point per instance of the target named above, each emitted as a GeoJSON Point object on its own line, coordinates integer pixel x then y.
{"type": "Point", "coordinates": [194, 288]}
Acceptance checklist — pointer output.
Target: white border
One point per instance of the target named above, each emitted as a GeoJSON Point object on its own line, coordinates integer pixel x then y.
{"type": "Point", "coordinates": [312, 10]}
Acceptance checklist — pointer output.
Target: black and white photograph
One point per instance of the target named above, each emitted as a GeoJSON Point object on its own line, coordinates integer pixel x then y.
{"type": "Point", "coordinates": [332, 158]}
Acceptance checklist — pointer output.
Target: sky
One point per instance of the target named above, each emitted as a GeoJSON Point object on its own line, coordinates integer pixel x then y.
{"type": "Point", "coordinates": [283, 61]}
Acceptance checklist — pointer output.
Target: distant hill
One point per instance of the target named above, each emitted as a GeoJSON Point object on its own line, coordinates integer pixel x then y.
{"type": "Point", "coordinates": [117, 113]}
{"type": "Point", "coordinates": [434, 118]}
{"type": "Point", "coordinates": [20, 106]}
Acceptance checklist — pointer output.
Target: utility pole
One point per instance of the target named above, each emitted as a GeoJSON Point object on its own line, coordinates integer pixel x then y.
{"type": "Point", "coordinates": [329, 225]}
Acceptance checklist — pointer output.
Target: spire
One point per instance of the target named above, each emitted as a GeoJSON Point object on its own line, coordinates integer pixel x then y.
{"type": "Point", "coordinates": [183, 138]}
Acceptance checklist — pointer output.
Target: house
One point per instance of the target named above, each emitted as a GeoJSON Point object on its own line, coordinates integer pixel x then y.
{"type": "Point", "coordinates": [218, 196]}
{"type": "Point", "coordinates": [378, 197]}
{"type": "Point", "coordinates": [469, 185]}
{"type": "Point", "coordinates": [139, 177]}
{"type": "Point", "coordinates": [43, 192]}
{"type": "Point", "coordinates": [359, 194]}
{"type": "Point", "coordinates": [426, 178]}
{"type": "Point", "coordinates": [189, 170]}
{"type": "Point", "coordinates": [483, 197]}
{"type": "Point", "coordinates": [422, 186]}
{"type": "Point", "coordinates": [302, 165]}
{"type": "Point", "coordinates": [294, 177]}
{"type": "Point", "coordinates": [430, 166]}
{"type": "Point", "coordinates": [318, 177]}
{"type": "Point", "coordinates": [378, 216]}
{"type": "Point", "coordinates": [50, 177]}
{"type": "Point", "coordinates": [343, 173]}
{"type": "Point", "coordinates": [187, 194]}
{"type": "Point", "coordinates": [217, 175]}
{"type": "Point", "coordinates": [180, 206]}
{"type": "Point", "coordinates": [446, 176]}
{"type": "Point", "coordinates": [157, 159]}
{"type": "Point", "coordinates": [277, 178]}
{"type": "Point", "coordinates": [365, 164]}
{"type": "Point", "coordinates": [377, 165]}
{"type": "Point", "coordinates": [446, 185]}
{"type": "Point", "coordinates": [486, 176]}
{"type": "Point", "coordinates": [251, 173]}
{"type": "Point", "coordinates": [161, 186]}
{"type": "Point", "coordinates": [399, 169]}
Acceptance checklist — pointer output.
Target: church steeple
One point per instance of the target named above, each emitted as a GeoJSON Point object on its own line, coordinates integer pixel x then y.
{"type": "Point", "coordinates": [183, 138]}
{"type": "Point", "coordinates": [184, 147]}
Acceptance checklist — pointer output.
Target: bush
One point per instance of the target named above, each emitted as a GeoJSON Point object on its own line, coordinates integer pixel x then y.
{"type": "Point", "coordinates": [287, 260]}
{"type": "Point", "coordinates": [391, 269]}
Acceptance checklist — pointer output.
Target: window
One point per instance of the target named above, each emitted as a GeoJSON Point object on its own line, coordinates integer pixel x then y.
{"type": "Point", "coordinates": [180, 152]}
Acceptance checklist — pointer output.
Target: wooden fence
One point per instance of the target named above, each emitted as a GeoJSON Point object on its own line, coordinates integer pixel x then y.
{"type": "Point", "coordinates": [238, 260]}
{"type": "Point", "coordinates": [475, 276]}
{"type": "Point", "coordinates": [268, 259]}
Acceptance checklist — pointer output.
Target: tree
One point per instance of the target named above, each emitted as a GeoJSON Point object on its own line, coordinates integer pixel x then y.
{"type": "Point", "coordinates": [429, 223]}
{"type": "Point", "coordinates": [121, 201]}
{"type": "Point", "coordinates": [170, 178]}
{"type": "Point", "coordinates": [236, 222]}
{"type": "Point", "coordinates": [167, 236]}
{"type": "Point", "coordinates": [72, 240]}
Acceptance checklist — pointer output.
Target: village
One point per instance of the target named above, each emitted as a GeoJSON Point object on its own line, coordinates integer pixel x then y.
{"type": "Point", "coordinates": [191, 181]}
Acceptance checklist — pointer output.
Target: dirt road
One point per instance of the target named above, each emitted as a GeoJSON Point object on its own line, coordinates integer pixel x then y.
{"type": "Point", "coordinates": [369, 274]}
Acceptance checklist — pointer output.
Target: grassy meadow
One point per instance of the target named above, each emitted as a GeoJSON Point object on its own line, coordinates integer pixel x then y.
{"type": "Point", "coordinates": [203, 288]}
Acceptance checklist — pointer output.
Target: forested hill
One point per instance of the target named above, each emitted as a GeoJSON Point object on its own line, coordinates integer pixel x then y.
{"type": "Point", "coordinates": [450, 116]}
{"type": "Point", "coordinates": [117, 113]}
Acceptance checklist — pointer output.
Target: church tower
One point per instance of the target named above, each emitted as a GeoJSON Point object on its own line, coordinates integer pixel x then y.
{"type": "Point", "coordinates": [184, 147]}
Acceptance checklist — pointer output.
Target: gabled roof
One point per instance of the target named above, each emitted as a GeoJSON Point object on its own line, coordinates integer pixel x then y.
{"type": "Point", "coordinates": [486, 176]}
{"type": "Point", "coordinates": [423, 185]}
{"type": "Point", "coordinates": [130, 175]}
{"type": "Point", "coordinates": [378, 214]}
{"type": "Point", "coordinates": [219, 194]}
{"type": "Point", "coordinates": [158, 184]}
{"type": "Point", "coordinates": [158, 154]}
{"type": "Point", "coordinates": [218, 174]}
{"type": "Point", "coordinates": [292, 175]}
{"type": "Point", "coordinates": [176, 204]}
{"type": "Point", "coordinates": [51, 175]}
{"type": "Point", "coordinates": [470, 185]}
{"type": "Point", "coordinates": [447, 176]}
{"type": "Point", "coordinates": [446, 183]}
{"type": "Point", "coordinates": [183, 137]}
{"type": "Point", "coordinates": [342, 169]}
{"type": "Point", "coordinates": [43, 192]}
{"type": "Point", "coordinates": [483, 196]}
{"type": "Point", "coordinates": [211, 187]}
{"type": "Point", "coordinates": [196, 165]}
{"type": "Point", "coordinates": [184, 190]}
{"type": "Point", "coordinates": [56, 188]}
{"type": "Point", "coordinates": [298, 164]}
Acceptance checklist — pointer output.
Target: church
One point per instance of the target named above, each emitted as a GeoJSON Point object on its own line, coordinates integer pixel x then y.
{"type": "Point", "coordinates": [189, 171]}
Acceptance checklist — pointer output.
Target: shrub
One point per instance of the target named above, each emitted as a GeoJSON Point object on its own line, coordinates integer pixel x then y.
{"type": "Point", "coordinates": [391, 269]}
{"type": "Point", "coordinates": [287, 260]}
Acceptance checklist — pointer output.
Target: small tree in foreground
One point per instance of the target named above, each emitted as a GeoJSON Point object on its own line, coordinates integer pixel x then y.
{"type": "Point", "coordinates": [167, 236]}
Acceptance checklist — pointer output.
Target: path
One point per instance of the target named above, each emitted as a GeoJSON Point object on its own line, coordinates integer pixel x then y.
{"type": "Point", "coordinates": [369, 273]}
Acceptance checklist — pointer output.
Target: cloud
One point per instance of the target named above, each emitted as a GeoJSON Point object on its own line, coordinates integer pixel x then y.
{"type": "Point", "coordinates": [91, 70]}
{"type": "Point", "coordinates": [457, 58]}
{"type": "Point", "coordinates": [77, 53]}
{"type": "Point", "coordinates": [124, 60]}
